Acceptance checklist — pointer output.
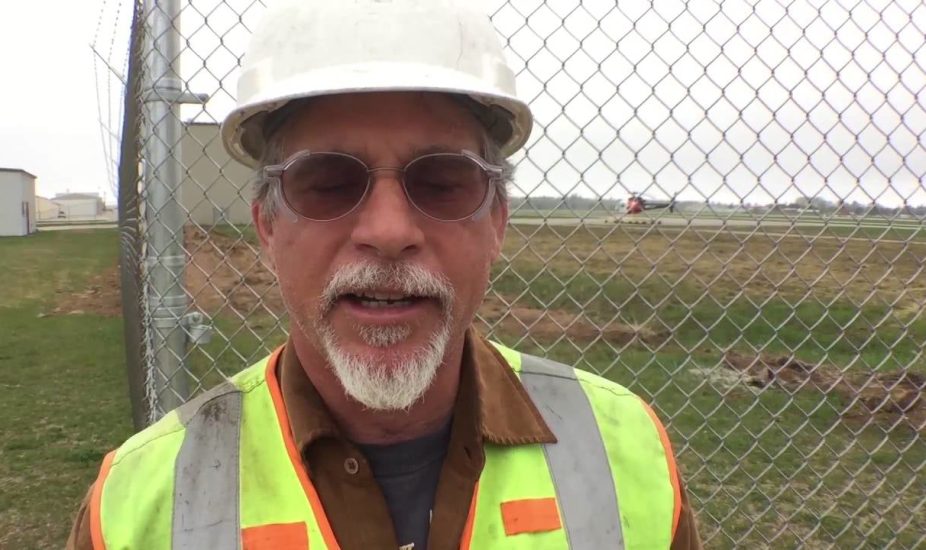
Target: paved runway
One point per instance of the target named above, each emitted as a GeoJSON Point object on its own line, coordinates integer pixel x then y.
{"type": "Point", "coordinates": [717, 222]}
{"type": "Point", "coordinates": [69, 227]}
{"type": "Point", "coordinates": [782, 228]}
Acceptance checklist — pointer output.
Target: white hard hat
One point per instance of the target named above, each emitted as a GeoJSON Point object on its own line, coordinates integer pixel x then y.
{"type": "Point", "coordinates": [309, 48]}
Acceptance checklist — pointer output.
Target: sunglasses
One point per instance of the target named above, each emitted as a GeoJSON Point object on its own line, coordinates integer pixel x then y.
{"type": "Point", "coordinates": [326, 186]}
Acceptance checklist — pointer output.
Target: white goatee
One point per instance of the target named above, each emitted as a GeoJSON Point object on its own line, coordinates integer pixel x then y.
{"type": "Point", "coordinates": [385, 380]}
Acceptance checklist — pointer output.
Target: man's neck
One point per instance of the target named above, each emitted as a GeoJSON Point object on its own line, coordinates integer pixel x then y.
{"type": "Point", "coordinates": [363, 425]}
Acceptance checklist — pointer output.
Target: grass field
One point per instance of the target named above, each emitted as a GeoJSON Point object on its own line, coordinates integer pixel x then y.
{"type": "Point", "coordinates": [760, 464]}
{"type": "Point", "coordinates": [63, 397]}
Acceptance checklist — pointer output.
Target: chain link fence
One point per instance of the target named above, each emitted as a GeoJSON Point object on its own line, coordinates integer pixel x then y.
{"type": "Point", "coordinates": [722, 207]}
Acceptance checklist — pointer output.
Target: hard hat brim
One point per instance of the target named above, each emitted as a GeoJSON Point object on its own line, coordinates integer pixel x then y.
{"type": "Point", "coordinates": [243, 133]}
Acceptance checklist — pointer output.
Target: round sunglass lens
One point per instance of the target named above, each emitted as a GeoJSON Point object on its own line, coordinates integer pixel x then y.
{"type": "Point", "coordinates": [324, 186]}
{"type": "Point", "coordinates": [446, 187]}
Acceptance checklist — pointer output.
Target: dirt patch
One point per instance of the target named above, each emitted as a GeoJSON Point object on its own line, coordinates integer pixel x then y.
{"type": "Point", "coordinates": [101, 297]}
{"type": "Point", "coordinates": [223, 275]}
{"type": "Point", "coordinates": [551, 324]}
{"type": "Point", "coordinates": [226, 275]}
{"type": "Point", "coordinates": [886, 397]}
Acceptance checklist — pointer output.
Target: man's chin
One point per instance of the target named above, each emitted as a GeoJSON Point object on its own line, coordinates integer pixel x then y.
{"type": "Point", "coordinates": [386, 377]}
{"type": "Point", "coordinates": [386, 358]}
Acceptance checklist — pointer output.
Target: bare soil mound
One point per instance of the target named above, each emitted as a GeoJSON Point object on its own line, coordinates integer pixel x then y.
{"type": "Point", "coordinates": [100, 297]}
{"type": "Point", "coordinates": [885, 397]}
{"type": "Point", "coordinates": [226, 275]}
{"type": "Point", "coordinates": [548, 325]}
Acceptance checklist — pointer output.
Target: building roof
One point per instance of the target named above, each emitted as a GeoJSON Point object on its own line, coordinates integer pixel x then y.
{"type": "Point", "coordinates": [19, 170]}
{"type": "Point", "coordinates": [76, 196]}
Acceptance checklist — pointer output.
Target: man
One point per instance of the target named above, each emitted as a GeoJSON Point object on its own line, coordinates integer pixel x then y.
{"type": "Point", "coordinates": [380, 130]}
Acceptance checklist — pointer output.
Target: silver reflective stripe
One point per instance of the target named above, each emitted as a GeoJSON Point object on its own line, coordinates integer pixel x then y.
{"type": "Point", "coordinates": [206, 473]}
{"type": "Point", "coordinates": [578, 461]}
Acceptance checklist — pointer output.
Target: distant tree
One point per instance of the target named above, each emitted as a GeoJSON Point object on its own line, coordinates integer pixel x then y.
{"type": "Point", "coordinates": [822, 204]}
{"type": "Point", "coordinates": [572, 202]}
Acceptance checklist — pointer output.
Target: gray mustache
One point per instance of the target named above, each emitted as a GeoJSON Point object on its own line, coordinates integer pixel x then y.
{"type": "Point", "coordinates": [406, 278]}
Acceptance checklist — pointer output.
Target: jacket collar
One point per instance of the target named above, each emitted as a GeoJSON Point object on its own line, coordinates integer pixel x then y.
{"type": "Point", "coordinates": [490, 398]}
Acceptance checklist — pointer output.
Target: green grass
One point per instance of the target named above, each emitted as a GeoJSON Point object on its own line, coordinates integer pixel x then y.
{"type": "Point", "coordinates": [829, 231]}
{"type": "Point", "coordinates": [915, 233]}
{"type": "Point", "coordinates": [838, 333]}
{"type": "Point", "coordinates": [805, 218]}
{"type": "Point", "coordinates": [63, 397]}
{"type": "Point", "coordinates": [39, 266]}
{"type": "Point", "coordinates": [529, 212]}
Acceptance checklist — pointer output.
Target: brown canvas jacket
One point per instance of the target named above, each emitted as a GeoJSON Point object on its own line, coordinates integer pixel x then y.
{"type": "Point", "coordinates": [491, 406]}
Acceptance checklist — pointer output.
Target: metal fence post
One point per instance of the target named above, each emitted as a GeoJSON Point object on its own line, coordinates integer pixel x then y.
{"type": "Point", "coordinates": [166, 299]}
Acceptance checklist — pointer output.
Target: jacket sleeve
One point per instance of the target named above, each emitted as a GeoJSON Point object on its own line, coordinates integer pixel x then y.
{"type": "Point", "coordinates": [80, 531]}
{"type": "Point", "coordinates": [686, 534]}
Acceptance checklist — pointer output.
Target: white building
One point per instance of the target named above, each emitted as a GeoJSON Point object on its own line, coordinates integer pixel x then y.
{"type": "Point", "coordinates": [78, 206]}
{"type": "Point", "coordinates": [47, 209]}
{"type": "Point", "coordinates": [17, 202]}
{"type": "Point", "coordinates": [215, 189]}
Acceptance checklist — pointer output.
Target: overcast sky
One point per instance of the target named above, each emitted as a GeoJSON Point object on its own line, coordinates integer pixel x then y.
{"type": "Point", "coordinates": [48, 109]}
{"type": "Point", "coordinates": [668, 102]}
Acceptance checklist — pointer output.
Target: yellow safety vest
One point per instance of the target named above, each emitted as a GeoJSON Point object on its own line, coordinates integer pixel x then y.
{"type": "Point", "coordinates": [223, 471]}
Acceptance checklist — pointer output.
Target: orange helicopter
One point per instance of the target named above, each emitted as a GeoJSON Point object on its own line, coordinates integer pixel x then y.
{"type": "Point", "coordinates": [637, 204]}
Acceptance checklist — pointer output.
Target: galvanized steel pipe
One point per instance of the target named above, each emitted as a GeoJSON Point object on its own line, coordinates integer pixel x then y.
{"type": "Point", "coordinates": [166, 298]}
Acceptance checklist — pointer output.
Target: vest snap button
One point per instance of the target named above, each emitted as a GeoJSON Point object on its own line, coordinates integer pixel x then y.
{"type": "Point", "coordinates": [351, 466]}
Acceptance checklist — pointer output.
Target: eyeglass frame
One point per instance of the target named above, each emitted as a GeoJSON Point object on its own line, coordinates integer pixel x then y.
{"type": "Point", "coordinates": [273, 173]}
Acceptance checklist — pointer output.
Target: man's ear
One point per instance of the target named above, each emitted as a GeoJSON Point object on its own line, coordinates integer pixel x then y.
{"type": "Point", "coordinates": [264, 231]}
{"type": "Point", "coordinates": [499, 225]}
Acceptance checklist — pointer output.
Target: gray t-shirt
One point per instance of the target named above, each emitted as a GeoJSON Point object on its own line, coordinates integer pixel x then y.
{"type": "Point", "coordinates": [408, 473]}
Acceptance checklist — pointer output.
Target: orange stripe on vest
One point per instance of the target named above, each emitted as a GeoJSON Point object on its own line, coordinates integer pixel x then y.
{"type": "Point", "coordinates": [276, 395]}
{"type": "Point", "coordinates": [467, 537]}
{"type": "Point", "coordinates": [530, 516]}
{"type": "Point", "coordinates": [279, 536]}
{"type": "Point", "coordinates": [96, 504]}
{"type": "Point", "coordinates": [673, 468]}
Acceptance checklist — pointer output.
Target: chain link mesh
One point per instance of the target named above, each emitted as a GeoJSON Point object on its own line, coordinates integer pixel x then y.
{"type": "Point", "coordinates": [721, 207]}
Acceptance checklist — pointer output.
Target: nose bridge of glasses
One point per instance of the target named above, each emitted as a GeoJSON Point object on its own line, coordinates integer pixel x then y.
{"type": "Point", "coordinates": [399, 171]}
{"type": "Point", "coordinates": [393, 173]}
{"type": "Point", "coordinates": [396, 174]}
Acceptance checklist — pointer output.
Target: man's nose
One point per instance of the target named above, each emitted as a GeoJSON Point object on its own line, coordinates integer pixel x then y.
{"type": "Point", "coordinates": [387, 223]}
